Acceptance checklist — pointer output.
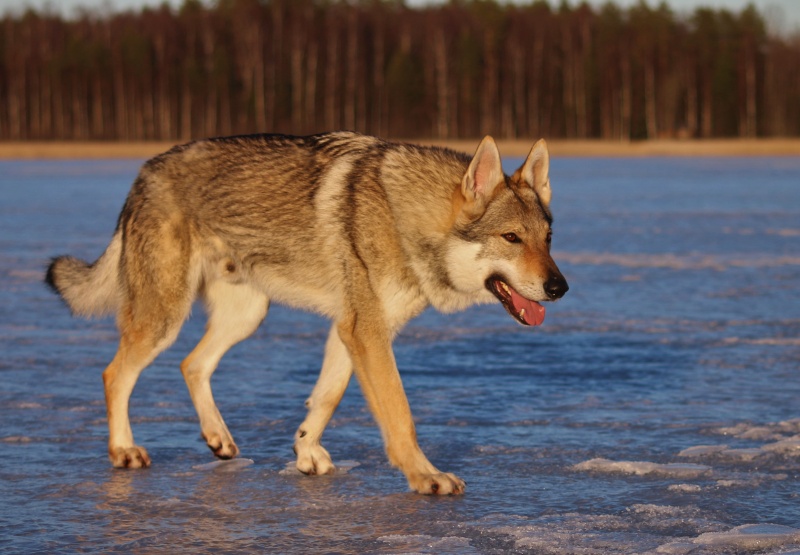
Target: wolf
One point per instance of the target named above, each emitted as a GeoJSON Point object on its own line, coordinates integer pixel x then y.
{"type": "Point", "coordinates": [364, 231]}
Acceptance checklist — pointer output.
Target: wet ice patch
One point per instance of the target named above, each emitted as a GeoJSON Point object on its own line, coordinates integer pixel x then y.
{"type": "Point", "coordinates": [644, 468]}
{"type": "Point", "coordinates": [231, 465]}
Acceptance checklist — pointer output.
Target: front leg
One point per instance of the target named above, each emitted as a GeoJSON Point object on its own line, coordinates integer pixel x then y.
{"type": "Point", "coordinates": [368, 341]}
{"type": "Point", "coordinates": [312, 457]}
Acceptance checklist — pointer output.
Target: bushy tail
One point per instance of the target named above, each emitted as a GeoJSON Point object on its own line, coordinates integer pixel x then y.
{"type": "Point", "coordinates": [88, 289]}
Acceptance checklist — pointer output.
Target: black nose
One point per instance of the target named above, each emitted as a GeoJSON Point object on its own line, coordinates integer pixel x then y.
{"type": "Point", "coordinates": [555, 287]}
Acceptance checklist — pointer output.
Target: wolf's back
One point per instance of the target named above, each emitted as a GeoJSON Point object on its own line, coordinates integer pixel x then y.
{"type": "Point", "coordinates": [88, 289]}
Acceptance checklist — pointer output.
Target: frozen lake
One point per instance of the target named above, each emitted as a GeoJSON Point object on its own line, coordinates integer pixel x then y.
{"type": "Point", "coordinates": [656, 410]}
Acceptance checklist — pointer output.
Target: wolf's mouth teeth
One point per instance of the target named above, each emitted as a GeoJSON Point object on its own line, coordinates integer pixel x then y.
{"type": "Point", "coordinates": [525, 311]}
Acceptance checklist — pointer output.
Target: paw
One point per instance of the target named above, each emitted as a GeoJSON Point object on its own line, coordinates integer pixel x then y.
{"type": "Point", "coordinates": [129, 457]}
{"type": "Point", "coordinates": [221, 445]}
{"type": "Point", "coordinates": [440, 483]}
{"type": "Point", "coordinates": [313, 460]}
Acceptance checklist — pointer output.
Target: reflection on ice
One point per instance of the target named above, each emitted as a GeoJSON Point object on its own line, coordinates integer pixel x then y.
{"type": "Point", "coordinates": [655, 412]}
{"type": "Point", "coordinates": [231, 465]}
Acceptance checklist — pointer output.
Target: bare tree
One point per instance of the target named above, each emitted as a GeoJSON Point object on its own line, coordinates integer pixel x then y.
{"type": "Point", "coordinates": [460, 69]}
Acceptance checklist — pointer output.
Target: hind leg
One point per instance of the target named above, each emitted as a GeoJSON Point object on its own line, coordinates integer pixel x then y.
{"type": "Point", "coordinates": [140, 343]}
{"type": "Point", "coordinates": [157, 285]}
{"type": "Point", "coordinates": [312, 457]}
{"type": "Point", "coordinates": [234, 313]}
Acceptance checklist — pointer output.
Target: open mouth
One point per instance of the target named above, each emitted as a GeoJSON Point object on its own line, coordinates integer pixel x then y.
{"type": "Point", "coordinates": [524, 311]}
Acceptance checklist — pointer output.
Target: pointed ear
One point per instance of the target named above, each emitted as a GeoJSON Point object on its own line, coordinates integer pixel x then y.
{"type": "Point", "coordinates": [485, 172]}
{"type": "Point", "coordinates": [535, 171]}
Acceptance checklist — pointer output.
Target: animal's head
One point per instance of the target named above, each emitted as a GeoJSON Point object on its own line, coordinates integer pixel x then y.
{"type": "Point", "coordinates": [501, 237]}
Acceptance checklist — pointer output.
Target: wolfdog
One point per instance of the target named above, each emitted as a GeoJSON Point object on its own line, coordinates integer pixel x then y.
{"type": "Point", "coordinates": [364, 231]}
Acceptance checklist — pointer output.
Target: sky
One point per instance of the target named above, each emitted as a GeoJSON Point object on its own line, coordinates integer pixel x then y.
{"type": "Point", "coordinates": [783, 16]}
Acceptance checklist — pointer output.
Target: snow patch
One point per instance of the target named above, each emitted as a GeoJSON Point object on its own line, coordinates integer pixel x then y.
{"type": "Point", "coordinates": [702, 450]}
{"type": "Point", "coordinates": [777, 430]}
{"type": "Point", "coordinates": [746, 455]}
{"type": "Point", "coordinates": [742, 539]}
{"type": "Point", "coordinates": [751, 537]}
{"type": "Point", "coordinates": [643, 468]}
{"type": "Point", "coordinates": [424, 544]}
{"type": "Point", "coordinates": [789, 446]}
{"type": "Point", "coordinates": [685, 488]}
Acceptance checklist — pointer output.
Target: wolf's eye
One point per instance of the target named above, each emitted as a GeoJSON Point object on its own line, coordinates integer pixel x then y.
{"type": "Point", "coordinates": [549, 238]}
{"type": "Point", "coordinates": [511, 238]}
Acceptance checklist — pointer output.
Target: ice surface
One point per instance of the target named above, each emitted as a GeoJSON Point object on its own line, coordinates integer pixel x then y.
{"type": "Point", "coordinates": [620, 371]}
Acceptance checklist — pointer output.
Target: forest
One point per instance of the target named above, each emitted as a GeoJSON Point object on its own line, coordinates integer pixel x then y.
{"type": "Point", "coordinates": [454, 70]}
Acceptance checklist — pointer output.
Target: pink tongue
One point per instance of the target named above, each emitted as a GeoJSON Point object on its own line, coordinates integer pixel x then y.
{"type": "Point", "coordinates": [534, 312]}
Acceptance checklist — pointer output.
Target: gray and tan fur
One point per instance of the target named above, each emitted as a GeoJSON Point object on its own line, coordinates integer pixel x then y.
{"type": "Point", "coordinates": [363, 231]}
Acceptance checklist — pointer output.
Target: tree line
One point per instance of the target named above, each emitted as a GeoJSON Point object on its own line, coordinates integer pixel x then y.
{"type": "Point", "coordinates": [460, 69]}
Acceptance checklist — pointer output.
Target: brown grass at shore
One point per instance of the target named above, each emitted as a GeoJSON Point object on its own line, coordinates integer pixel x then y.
{"type": "Point", "coordinates": [597, 148]}
{"type": "Point", "coordinates": [565, 148]}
